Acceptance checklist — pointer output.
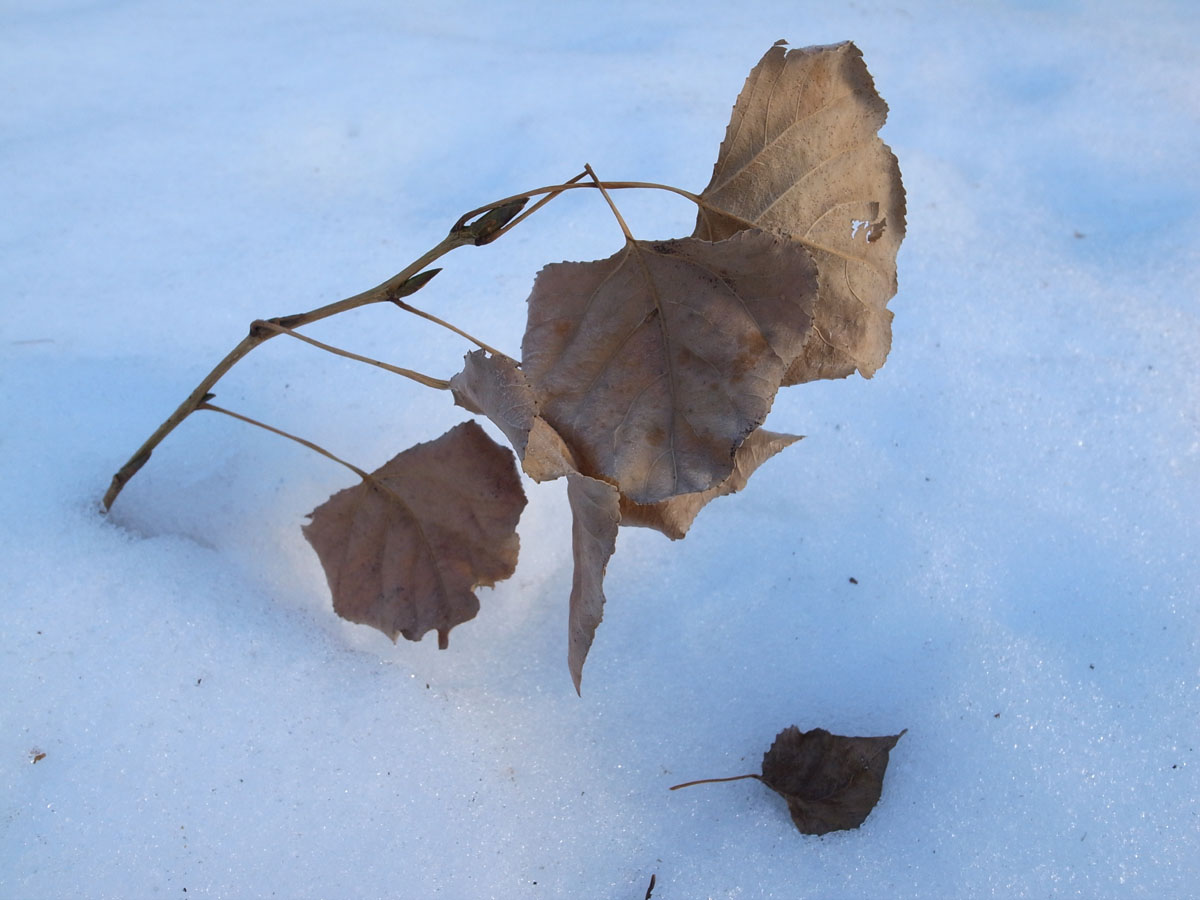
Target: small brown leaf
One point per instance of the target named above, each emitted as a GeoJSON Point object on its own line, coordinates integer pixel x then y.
{"type": "Point", "coordinates": [802, 158]}
{"type": "Point", "coordinates": [404, 550]}
{"type": "Point", "coordinates": [656, 363]}
{"type": "Point", "coordinates": [830, 782]}
{"type": "Point", "coordinates": [596, 513]}
{"type": "Point", "coordinates": [673, 517]}
{"type": "Point", "coordinates": [497, 388]}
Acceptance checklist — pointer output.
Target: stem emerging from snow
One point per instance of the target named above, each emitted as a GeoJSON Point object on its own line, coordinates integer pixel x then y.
{"type": "Point", "coordinates": [480, 226]}
{"type": "Point", "coordinates": [395, 287]}
{"type": "Point", "coordinates": [714, 781]}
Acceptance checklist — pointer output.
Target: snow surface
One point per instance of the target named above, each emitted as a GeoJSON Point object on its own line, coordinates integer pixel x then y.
{"type": "Point", "coordinates": [1015, 493]}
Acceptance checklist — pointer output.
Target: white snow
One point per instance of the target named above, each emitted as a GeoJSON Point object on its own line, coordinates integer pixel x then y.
{"type": "Point", "coordinates": [1015, 492]}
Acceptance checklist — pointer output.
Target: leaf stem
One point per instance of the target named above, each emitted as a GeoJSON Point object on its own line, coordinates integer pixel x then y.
{"type": "Point", "coordinates": [427, 380]}
{"type": "Point", "coordinates": [432, 318]}
{"type": "Point", "coordinates": [291, 437]}
{"type": "Point", "coordinates": [715, 781]}
{"type": "Point", "coordinates": [545, 199]}
{"type": "Point", "coordinates": [575, 183]}
{"type": "Point", "coordinates": [609, 200]}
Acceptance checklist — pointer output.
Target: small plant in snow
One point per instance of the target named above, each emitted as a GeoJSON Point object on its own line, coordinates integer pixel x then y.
{"type": "Point", "coordinates": [644, 378]}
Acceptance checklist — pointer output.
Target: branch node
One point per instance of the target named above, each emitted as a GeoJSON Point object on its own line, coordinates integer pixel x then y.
{"type": "Point", "coordinates": [487, 227]}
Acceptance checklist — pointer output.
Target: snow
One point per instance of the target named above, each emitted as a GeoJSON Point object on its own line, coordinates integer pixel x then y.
{"type": "Point", "coordinates": [1015, 493]}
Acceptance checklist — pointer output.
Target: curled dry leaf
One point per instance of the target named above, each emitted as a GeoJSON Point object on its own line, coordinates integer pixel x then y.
{"type": "Point", "coordinates": [595, 515]}
{"type": "Point", "coordinates": [830, 782]}
{"type": "Point", "coordinates": [802, 157]}
{"type": "Point", "coordinates": [655, 364]}
{"type": "Point", "coordinates": [496, 387]}
{"type": "Point", "coordinates": [673, 517]}
{"type": "Point", "coordinates": [405, 549]}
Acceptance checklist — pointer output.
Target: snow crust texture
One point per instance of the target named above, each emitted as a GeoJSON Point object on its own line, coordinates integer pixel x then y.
{"type": "Point", "coordinates": [992, 543]}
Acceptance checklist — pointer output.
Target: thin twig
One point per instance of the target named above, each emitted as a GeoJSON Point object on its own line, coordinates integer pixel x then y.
{"type": "Point", "coordinates": [609, 200]}
{"type": "Point", "coordinates": [432, 318]}
{"type": "Point", "coordinates": [427, 380]}
{"type": "Point", "coordinates": [388, 290]}
{"type": "Point", "coordinates": [291, 437]}
{"type": "Point", "coordinates": [573, 184]}
{"type": "Point", "coordinates": [529, 212]}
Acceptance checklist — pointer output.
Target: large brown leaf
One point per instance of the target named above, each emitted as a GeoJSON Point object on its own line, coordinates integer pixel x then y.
{"type": "Point", "coordinates": [802, 157]}
{"type": "Point", "coordinates": [595, 515]}
{"type": "Point", "coordinates": [404, 550]}
{"type": "Point", "coordinates": [656, 363]}
{"type": "Point", "coordinates": [674, 516]}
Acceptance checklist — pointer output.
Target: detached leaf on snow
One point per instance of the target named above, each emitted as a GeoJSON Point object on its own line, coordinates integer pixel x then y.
{"type": "Point", "coordinates": [404, 550]}
{"type": "Point", "coordinates": [830, 782]}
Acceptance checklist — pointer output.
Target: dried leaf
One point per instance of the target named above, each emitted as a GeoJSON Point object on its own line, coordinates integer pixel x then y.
{"type": "Point", "coordinates": [404, 550]}
{"type": "Point", "coordinates": [595, 515]}
{"type": "Point", "coordinates": [497, 388]}
{"type": "Point", "coordinates": [656, 363]}
{"type": "Point", "coordinates": [802, 157]}
{"type": "Point", "coordinates": [830, 782]}
{"type": "Point", "coordinates": [673, 517]}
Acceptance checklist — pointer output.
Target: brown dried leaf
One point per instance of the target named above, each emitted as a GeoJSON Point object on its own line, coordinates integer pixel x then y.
{"type": "Point", "coordinates": [497, 388]}
{"type": "Point", "coordinates": [802, 157]}
{"type": "Point", "coordinates": [830, 782]}
{"type": "Point", "coordinates": [656, 363]}
{"type": "Point", "coordinates": [673, 517]}
{"type": "Point", "coordinates": [404, 550]}
{"type": "Point", "coordinates": [595, 514]}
